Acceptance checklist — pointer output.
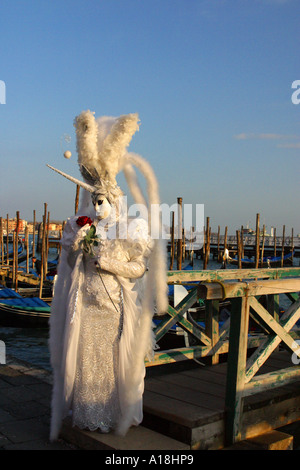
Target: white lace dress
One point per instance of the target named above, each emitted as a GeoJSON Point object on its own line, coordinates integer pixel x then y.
{"type": "Point", "coordinates": [95, 400]}
{"type": "Point", "coordinates": [96, 403]}
{"type": "Point", "coordinates": [100, 334]}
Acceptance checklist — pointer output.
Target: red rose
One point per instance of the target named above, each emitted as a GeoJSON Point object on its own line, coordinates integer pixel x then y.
{"type": "Point", "coordinates": [83, 220]}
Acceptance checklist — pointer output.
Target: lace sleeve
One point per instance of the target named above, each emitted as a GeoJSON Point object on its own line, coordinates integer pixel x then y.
{"type": "Point", "coordinates": [133, 269]}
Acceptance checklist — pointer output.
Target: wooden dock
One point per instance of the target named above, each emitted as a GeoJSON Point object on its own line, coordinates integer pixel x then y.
{"type": "Point", "coordinates": [189, 404]}
{"type": "Point", "coordinates": [255, 389]}
{"type": "Point", "coordinates": [233, 384]}
{"type": "Point", "coordinates": [184, 409]}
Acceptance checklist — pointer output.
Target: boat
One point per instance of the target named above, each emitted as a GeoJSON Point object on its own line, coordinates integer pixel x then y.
{"type": "Point", "coordinates": [268, 261]}
{"type": "Point", "coordinates": [22, 312]}
{"type": "Point", "coordinates": [51, 267]}
{"type": "Point", "coordinates": [21, 249]}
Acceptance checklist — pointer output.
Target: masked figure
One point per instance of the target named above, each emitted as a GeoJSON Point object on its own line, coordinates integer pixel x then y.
{"type": "Point", "coordinates": [111, 278]}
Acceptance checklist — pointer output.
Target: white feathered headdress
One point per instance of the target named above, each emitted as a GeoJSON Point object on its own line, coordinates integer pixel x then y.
{"type": "Point", "coordinates": [102, 153]}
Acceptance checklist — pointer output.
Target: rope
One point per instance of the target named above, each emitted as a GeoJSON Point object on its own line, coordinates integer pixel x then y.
{"type": "Point", "coordinates": [98, 270]}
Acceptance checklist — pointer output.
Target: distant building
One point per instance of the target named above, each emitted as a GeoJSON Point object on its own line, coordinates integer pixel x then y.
{"type": "Point", "coordinates": [12, 225]}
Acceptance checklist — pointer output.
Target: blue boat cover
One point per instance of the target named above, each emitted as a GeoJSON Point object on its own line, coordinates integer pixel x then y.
{"type": "Point", "coordinates": [27, 303]}
{"type": "Point", "coordinates": [6, 293]}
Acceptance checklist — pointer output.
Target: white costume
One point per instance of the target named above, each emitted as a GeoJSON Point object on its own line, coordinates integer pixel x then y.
{"type": "Point", "coordinates": [101, 320]}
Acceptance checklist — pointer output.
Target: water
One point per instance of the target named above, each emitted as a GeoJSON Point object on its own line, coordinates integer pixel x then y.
{"type": "Point", "coordinates": [27, 344]}
{"type": "Point", "coordinates": [31, 344]}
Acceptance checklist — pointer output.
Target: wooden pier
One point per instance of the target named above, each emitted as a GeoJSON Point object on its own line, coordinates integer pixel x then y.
{"type": "Point", "coordinates": [243, 390]}
{"type": "Point", "coordinates": [233, 385]}
{"type": "Point", "coordinates": [189, 405]}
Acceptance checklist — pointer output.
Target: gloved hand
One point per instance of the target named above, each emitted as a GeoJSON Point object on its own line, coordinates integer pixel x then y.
{"type": "Point", "coordinates": [81, 234]}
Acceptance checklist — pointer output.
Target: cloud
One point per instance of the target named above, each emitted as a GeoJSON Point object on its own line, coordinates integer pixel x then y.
{"type": "Point", "coordinates": [285, 145]}
{"type": "Point", "coordinates": [277, 2]}
{"type": "Point", "coordinates": [295, 145]}
{"type": "Point", "coordinates": [244, 136]}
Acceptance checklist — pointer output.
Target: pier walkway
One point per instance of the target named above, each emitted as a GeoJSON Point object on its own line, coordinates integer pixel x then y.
{"type": "Point", "coordinates": [25, 398]}
{"type": "Point", "coordinates": [25, 394]}
{"type": "Point", "coordinates": [182, 405]}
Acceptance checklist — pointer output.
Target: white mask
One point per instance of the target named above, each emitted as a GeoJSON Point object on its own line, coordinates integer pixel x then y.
{"type": "Point", "coordinates": [102, 207]}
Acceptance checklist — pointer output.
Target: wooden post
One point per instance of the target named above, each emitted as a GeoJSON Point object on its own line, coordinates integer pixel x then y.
{"type": "Point", "coordinates": [14, 260]}
{"type": "Point", "coordinates": [207, 248]}
{"type": "Point", "coordinates": [242, 241]}
{"type": "Point", "coordinates": [47, 246]}
{"type": "Point", "coordinates": [235, 381]}
{"type": "Point", "coordinates": [172, 248]}
{"type": "Point", "coordinates": [179, 241]}
{"type": "Point", "coordinates": [282, 247]}
{"type": "Point", "coordinates": [7, 255]}
{"type": "Point", "coordinates": [274, 241]}
{"type": "Point", "coordinates": [218, 250]}
{"type": "Point", "coordinates": [77, 198]}
{"type": "Point", "coordinates": [33, 239]}
{"type": "Point", "coordinates": [225, 238]}
{"type": "Point", "coordinates": [17, 255]}
{"type": "Point", "coordinates": [204, 244]}
{"type": "Point", "coordinates": [43, 251]}
{"type": "Point", "coordinates": [263, 246]}
{"type": "Point", "coordinates": [292, 246]}
{"type": "Point", "coordinates": [192, 247]}
{"type": "Point", "coordinates": [239, 250]}
{"type": "Point", "coordinates": [257, 242]}
{"type": "Point", "coordinates": [27, 248]}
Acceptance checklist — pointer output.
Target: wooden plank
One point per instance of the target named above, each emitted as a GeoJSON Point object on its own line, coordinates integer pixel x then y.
{"type": "Point", "coordinates": [225, 274]}
{"type": "Point", "coordinates": [174, 410]}
{"type": "Point", "coordinates": [212, 325]}
{"type": "Point", "coordinates": [186, 395]}
{"type": "Point", "coordinates": [194, 330]}
{"type": "Point", "coordinates": [220, 290]}
{"type": "Point", "coordinates": [216, 374]}
{"type": "Point", "coordinates": [269, 417]}
{"type": "Point", "coordinates": [272, 440]}
{"type": "Point", "coordinates": [175, 314]}
{"type": "Point", "coordinates": [196, 382]}
{"type": "Point", "coordinates": [183, 354]}
{"type": "Point", "coordinates": [236, 369]}
{"type": "Point", "coordinates": [196, 352]}
{"type": "Point", "coordinates": [172, 413]}
{"type": "Point", "coordinates": [275, 379]}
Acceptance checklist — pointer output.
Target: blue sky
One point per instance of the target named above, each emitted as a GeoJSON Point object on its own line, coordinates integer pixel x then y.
{"type": "Point", "coordinates": [210, 79]}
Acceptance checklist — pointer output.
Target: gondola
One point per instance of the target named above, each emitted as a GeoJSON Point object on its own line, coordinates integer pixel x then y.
{"type": "Point", "coordinates": [21, 250]}
{"type": "Point", "coordinates": [51, 267]}
{"type": "Point", "coordinates": [268, 262]}
{"type": "Point", "coordinates": [22, 312]}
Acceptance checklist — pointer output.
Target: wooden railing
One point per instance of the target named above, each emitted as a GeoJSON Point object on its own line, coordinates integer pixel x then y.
{"type": "Point", "coordinates": [211, 339]}
{"type": "Point", "coordinates": [245, 289]}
